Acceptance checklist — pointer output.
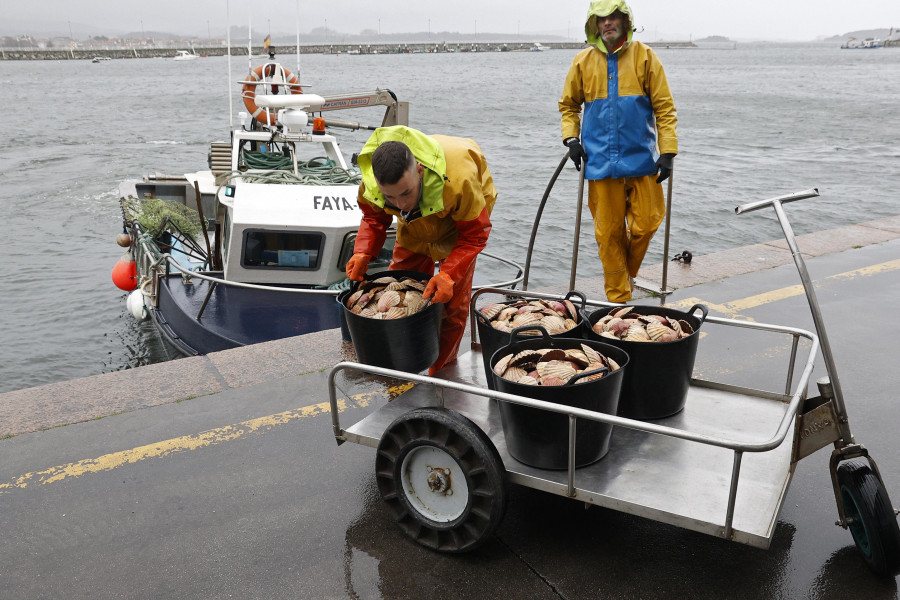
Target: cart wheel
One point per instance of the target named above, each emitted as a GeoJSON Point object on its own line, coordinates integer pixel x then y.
{"type": "Point", "coordinates": [442, 478]}
{"type": "Point", "coordinates": [870, 517]}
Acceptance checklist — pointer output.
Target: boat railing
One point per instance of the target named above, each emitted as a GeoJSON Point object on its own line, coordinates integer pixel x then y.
{"type": "Point", "coordinates": [151, 260]}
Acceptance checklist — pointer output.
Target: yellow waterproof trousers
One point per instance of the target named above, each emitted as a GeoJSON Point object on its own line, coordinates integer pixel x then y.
{"type": "Point", "coordinates": [627, 212]}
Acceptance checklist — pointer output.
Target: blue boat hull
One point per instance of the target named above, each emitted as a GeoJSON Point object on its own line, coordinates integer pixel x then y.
{"type": "Point", "coordinates": [236, 316]}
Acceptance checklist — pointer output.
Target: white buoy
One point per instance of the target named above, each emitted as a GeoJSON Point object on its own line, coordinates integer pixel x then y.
{"type": "Point", "coordinates": [136, 306]}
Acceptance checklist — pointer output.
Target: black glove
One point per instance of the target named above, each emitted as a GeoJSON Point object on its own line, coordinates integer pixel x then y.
{"type": "Point", "coordinates": [664, 164]}
{"type": "Point", "coordinates": [576, 152]}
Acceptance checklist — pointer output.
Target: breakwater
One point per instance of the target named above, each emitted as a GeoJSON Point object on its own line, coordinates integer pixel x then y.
{"type": "Point", "coordinates": [394, 48]}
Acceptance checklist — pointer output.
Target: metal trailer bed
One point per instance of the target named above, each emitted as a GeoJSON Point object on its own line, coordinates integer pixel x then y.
{"type": "Point", "coordinates": [722, 466]}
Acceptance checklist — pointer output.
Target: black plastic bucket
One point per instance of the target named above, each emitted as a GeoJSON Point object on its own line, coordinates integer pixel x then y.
{"type": "Point", "coordinates": [540, 438]}
{"type": "Point", "coordinates": [407, 344]}
{"type": "Point", "coordinates": [492, 339]}
{"type": "Point", "coordinates": [656, 384]}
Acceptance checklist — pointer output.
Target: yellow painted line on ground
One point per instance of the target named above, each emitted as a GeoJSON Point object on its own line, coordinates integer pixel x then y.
{"type": "Point", "coordinates": [185, 443]}
{"type": "Point", "coordinates": [735, 308]}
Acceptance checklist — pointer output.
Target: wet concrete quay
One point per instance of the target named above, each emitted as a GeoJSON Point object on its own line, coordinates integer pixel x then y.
{"type": "Point", "coordinates": [219, 476]}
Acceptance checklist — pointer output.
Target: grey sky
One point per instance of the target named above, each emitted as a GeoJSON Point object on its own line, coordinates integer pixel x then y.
{"type": "Point", "coordinates": [763, 19]}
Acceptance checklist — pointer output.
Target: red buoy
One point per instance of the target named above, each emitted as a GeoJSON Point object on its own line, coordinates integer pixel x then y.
{"type": "Point", "coordinates": [124, 273]}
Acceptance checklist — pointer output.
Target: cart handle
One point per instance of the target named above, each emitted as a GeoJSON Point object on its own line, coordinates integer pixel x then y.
{"type": "Point", "coordinates": [751, 206]}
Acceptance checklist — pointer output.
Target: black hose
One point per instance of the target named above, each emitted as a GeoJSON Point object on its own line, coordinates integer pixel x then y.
{"type": "Point", "coordinates": [537, 218]}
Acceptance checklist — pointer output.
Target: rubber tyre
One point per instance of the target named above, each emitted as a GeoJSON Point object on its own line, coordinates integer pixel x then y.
{"type": "Point", "coordinates": [477, 507]}
{"type": "Point", "coordinates": [873, 522]}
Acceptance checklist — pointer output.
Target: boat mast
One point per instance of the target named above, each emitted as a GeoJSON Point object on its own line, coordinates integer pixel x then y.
{"type": "Point", "coordinates": [228, 43]}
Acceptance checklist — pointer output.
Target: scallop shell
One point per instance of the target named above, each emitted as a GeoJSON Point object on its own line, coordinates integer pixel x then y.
{"type": "Point", "coordinates": [523, 319]}
{"type": "Point", "coordinates": [364, 300]}
{"type": "Point", "coordinates": [620, 312]}
{"type": "Point", "coordinates": [577, 356]}
{"type": "Point", "coordinates": [553, 324]}
{"type": "Point", "coordinates": [636, 333]}
{"type": "Point", "coordinates": [502, 364]}
{"type": "Point", "coordinates": [413, 284]}
{"type": "Point", "coordinates": [591, 354]}
{"type": "Point", "coordinates": [501, 326]}
{"type": "Point", "coordinates": [573, 312]}
{"type": "Point", "coordinates": [514, 373]}
{"type": "Point", "coordinates": [395, 285]}
{"type": "Point", "coordinates": [686, 328]}
{"type": "Point", "coordinates": [384, 280]}
{"type": "Point", "coordinates": [548, 354]}
{"type": "Point", "coordinates": [657, 332]}
{"type": "Point", "coordinates": [507, 313]}
{"type": "Point", "coordinates": [491, 310]}
{"type": "Point", "coordinates": [351, 301]}
{"type": "Point", "coordinates": [388, 299]}
{"type": "Point", "coordinates": [552, 380]}
{"type": "Point", "coordinates": [396, 312]}
{"type": "Point", "coordinates": [525, 357]}
{"type": "Point", "coordinates": [413, 302]}
{"type": "Point", "coordinates": [556, 368]}
{"type": "Point", "coordinates": [527, 380]}
{"type": "Point", "coordinates": [570, 324]}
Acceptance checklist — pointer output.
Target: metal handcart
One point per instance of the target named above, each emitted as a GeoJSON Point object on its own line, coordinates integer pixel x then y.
{"type": "Point", "coordinates": [722, 466]}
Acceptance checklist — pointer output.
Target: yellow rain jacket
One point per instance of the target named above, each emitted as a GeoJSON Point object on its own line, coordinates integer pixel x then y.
{"type": "Point", "coordinates": [457, 187]}
{"type": "Point", "coordinates": [629, 115]}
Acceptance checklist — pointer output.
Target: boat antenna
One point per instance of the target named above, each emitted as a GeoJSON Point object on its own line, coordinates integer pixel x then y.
{"type": "Point", "coordinates": [298, 40]}
{"type": "Point", "coordinates": [249, 43]}
{"type": "Point", "coordinates": [228, 44]}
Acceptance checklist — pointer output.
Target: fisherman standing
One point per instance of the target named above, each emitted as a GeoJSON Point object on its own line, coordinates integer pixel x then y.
{"type": "Point", "coordinates": [441, 191]}
{"type": "Point", "coordinates": [626, 139]}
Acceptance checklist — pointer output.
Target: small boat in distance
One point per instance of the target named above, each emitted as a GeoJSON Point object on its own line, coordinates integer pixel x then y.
{"type": "Point", "coordinates": [97, 59]}
{"type": "Point", "coordinates": [185, 55]}
{"type": "Point", "coordinates": [866, 44]}
{"type": "Point", "coordinates": [537, 47]}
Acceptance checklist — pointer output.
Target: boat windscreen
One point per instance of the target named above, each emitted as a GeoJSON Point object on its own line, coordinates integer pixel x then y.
{"type": "Point", "coordinates": [281, 250]}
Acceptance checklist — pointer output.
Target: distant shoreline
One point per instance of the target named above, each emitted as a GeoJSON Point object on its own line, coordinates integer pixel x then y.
{"type": "Point", "coordinates": [111, 53]}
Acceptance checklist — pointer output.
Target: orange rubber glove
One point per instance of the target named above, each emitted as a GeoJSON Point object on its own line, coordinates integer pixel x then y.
{"type": "Point", "coordinates": [357, 266]}
{"type": "Point", "coordinates": [441, 287]}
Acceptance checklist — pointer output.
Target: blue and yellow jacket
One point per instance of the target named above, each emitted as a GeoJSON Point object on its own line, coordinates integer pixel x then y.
{"type": "Point", "coordinates": [629, 114]}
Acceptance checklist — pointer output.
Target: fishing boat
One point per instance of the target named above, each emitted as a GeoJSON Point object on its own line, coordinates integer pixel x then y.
{"type": "Point", "coordinates": [254, 247]}
{"type": "Point", "coordinates": [866, 44]}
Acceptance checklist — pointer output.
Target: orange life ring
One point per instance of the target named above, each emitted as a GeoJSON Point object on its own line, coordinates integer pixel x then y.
{"type": "Point", "coordinates": [249, 90]}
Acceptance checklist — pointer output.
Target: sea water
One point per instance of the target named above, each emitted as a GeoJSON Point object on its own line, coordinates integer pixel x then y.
{"type": "Point", "coordinates": [754, 121]}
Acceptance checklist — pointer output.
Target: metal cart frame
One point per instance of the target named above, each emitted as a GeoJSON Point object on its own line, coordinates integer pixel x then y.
{"type": "Point", "coordinates": [722, 466]}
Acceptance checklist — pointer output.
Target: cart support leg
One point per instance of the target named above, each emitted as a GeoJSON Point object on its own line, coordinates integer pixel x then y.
{"type": "Point", "coordinates": [571, 489]}
{"type": "Point", "coordinates": [732, 493]}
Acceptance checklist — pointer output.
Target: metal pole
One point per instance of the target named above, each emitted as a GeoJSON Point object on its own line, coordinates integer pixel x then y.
{"type": "Point", "coordinates": [665, 265]}
{"type": "Point", "coordinates": [577, 227]}
{"type": "Point", "coordinates": [209, 255]}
